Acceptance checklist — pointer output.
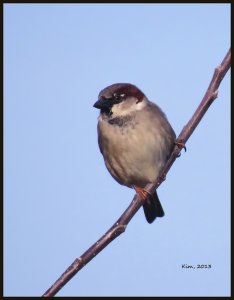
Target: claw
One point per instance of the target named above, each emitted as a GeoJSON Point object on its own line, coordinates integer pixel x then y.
{"type": "Point", "coordinates": [181, 146]}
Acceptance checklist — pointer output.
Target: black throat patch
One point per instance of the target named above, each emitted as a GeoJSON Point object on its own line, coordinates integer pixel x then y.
{"type": "Point", "coordinates": [121, 121]}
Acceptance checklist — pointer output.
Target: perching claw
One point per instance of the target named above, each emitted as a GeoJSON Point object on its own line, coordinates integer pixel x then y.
{"type": "Point", "coordinates": [181, 146]}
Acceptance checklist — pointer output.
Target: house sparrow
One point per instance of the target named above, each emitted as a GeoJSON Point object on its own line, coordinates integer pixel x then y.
{"type": "Point", "coordinates": [135, 139]}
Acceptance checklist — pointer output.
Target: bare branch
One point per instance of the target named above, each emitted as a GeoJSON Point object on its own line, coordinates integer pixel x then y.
{"type": "Point", "coordinates": [120, 225]}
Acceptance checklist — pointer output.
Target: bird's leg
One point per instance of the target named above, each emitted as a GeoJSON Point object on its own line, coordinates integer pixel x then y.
{"type": "Point", "coordinates": [141, 192]}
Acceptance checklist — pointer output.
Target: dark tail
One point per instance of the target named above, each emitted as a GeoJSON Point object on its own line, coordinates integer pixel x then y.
{"type": "Point", "coordinates": [153, 208]}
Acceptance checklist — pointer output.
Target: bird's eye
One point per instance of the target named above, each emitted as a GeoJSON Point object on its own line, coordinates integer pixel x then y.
{"type": "Point", "coordinates": [118, 97]}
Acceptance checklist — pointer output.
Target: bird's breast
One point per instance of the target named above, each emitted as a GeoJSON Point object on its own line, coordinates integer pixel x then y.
{"type": "Point", "coordinates": [132, 155]}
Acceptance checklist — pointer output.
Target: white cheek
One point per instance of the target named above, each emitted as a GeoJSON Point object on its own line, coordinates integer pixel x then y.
{"type": "Point", "coordinates": [125, 108]}
{"type": "Point", "coordinates": [118, 109]}
{"type": "Point", "coordinates": [140, 105]}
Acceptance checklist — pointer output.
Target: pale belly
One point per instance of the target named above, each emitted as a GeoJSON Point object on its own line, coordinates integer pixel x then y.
{"type": "Point", "coordinates": [131, 156]}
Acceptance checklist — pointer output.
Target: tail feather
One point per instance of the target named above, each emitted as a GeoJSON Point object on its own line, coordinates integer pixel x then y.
{"type": "Point", "coordinates": [153, 208]}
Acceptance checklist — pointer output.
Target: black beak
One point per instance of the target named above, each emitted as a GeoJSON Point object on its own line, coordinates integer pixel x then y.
{"type": "Point", "coordinates": [102, 104]}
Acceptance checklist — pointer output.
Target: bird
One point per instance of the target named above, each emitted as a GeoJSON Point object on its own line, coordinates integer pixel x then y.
{"type": "Point", "coordinates": [135, 139]}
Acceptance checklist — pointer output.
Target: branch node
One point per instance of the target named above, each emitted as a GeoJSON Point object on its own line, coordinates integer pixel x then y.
{"type": "Point", "coordinates": [79, 262]}
{"type": "Point", "coordinates": [215, 94]}
{"type": "Point", "coordinates": [115, 231]}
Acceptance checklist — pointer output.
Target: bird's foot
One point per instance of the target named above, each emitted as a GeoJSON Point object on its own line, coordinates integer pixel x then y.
{"type": "Point", "coordinates": [181, 146]}
{"type": "Point", "coordinates": [141, 192]}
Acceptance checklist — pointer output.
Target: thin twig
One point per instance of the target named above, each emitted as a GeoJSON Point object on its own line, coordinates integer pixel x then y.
{"type": "Point", "coordinates": [120, 225]}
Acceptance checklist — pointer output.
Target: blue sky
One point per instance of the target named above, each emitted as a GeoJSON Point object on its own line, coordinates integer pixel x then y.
{"type": "Point", "coordinates": [58, 196]}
